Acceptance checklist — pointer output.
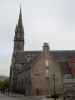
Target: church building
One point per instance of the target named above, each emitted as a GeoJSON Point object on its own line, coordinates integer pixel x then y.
{"type": "Point", "coordinates": [38, 72]}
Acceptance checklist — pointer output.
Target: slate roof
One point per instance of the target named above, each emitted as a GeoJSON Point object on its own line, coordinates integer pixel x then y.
{"type": "Point", "coordinates": [62, 56]}
{"type": "Point", "coordinates": [27, 56]}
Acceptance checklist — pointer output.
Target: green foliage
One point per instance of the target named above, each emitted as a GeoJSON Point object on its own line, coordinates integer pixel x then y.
{"type": "Point", "coordinates": [4, 84]}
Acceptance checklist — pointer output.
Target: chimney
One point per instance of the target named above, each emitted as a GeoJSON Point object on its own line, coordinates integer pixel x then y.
{"type": "Point", "coordinates": [45, 47]}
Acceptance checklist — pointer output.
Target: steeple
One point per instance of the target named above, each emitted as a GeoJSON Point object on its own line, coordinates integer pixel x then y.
{"type": "Point", "coordinates": [19, 35]}
{"type": "Point", "coordinates": [19, 26]}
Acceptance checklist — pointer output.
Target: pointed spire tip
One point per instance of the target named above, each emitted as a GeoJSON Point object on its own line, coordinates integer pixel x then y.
{"type": "Point", "coordinates": [20, 6]}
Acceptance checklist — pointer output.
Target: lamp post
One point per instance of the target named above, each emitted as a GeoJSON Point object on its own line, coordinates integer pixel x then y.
{"type": "Point", "coordinates": [54, 92]}
{"type": "Point", "coordinates": [54, 95]}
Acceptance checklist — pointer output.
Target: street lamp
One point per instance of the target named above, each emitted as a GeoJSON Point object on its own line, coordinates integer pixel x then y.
{"type": "Point", "coordinates": [54, 95]}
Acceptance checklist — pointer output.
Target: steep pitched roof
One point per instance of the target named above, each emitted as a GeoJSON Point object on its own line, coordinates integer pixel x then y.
{"type": "Point", "coordinates": [62, 57]}
{"type": "Point", "coordinates": [26, 57]}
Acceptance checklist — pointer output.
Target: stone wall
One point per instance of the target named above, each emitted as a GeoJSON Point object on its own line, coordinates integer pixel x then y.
{"type": "Point", "coordinates": [42, 73]}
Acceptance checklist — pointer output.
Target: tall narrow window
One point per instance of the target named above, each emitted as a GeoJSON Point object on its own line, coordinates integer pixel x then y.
{"type": "Point", "coordinates": [47, 62]}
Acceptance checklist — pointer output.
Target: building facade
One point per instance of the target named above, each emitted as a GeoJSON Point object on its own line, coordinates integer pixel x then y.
{"type": "Point", "coordinates": [38, 72]}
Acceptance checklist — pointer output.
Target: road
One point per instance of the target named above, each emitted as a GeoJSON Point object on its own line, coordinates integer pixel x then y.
{"type": "Point", "coordinates": [18, 97]}
{"type": "Point", "coordinates": [21, 97]}
{"type": "Point", "coordinates": [11, 97]}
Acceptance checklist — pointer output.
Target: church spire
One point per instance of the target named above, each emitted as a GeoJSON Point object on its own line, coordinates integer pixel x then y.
{"type": "Point", "coordinates": [19, 35]}
{"type": "Point", "coordinates": [19, 26]}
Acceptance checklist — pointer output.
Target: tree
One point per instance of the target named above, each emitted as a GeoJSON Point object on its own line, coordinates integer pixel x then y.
{"type": "Point", "coordinates": [4, 84]}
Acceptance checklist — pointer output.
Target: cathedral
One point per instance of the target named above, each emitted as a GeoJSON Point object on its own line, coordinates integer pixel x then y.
{"type": "Point", "coordinates": [39, 72]}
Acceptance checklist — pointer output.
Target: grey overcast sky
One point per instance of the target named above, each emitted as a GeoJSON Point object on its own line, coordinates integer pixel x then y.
{"type": "Point", "coordinates": [51, 21]}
